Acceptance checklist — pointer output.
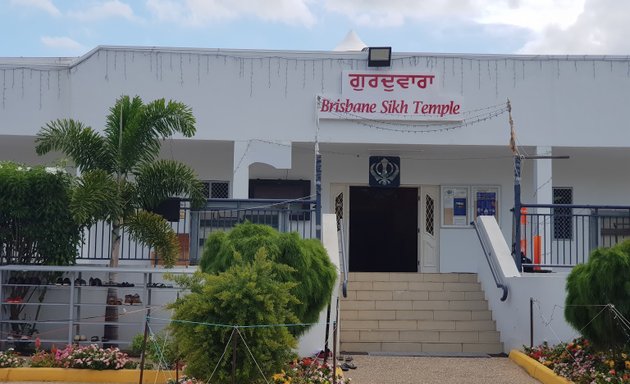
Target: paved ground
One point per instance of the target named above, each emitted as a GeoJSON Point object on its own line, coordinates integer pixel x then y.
{"type": "Point", "coordinates": [438, 370]}
{"type": "Point", "coordinates": [433, 370]}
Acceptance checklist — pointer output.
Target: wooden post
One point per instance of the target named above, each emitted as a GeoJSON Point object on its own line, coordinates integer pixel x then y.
{"type": "Point", "coordinates": [144, 349]}
{"type": "Point", "coordinates": [234, 343]}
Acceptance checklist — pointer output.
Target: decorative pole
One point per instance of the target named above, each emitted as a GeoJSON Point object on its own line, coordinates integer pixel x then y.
{"type": "Point", "coordinates": [516, 240]}
{"type": "Point", "coordinates": [318, 213]}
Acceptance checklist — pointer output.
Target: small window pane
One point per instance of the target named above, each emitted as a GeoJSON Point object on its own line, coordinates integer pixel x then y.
{"type": "Point", "coordinates": [562, 217]}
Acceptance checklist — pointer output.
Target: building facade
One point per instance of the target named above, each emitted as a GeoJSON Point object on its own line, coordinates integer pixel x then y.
{"type": "Point", "coordinates": [440, 120]}
{"type": "Point", "coordinates": [411, 152]}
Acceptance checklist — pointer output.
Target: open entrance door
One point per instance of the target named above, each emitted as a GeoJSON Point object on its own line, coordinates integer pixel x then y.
{"type": "Point", "coordinates": [383, 229]}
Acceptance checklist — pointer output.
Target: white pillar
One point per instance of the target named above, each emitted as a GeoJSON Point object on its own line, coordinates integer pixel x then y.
{"type": "Point", "coordinates": [276, 154]}
{"type": "Point", "coordinates": [543, 194]}
{"type": "Point", "coordinates": [543, 177]}
{"type": "Point", "coordinates": [240, 179]}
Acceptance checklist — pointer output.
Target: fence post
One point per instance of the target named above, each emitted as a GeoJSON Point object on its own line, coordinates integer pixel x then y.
{"type": "Point", "coordinates": [235, 333]}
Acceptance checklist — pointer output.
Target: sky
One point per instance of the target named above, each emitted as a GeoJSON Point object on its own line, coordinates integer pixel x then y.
{"type": "Point", "coordinates": [74, 27]}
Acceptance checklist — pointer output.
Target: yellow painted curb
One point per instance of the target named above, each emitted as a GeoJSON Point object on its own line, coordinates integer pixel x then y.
{"type": "Point", "coordinates": [85, 375]}
{"type": "Point", "coordinates": [536, 369]}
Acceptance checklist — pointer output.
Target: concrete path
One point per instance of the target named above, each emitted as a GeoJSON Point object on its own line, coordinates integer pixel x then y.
{"type": "Point", "coordinates": [432, 370]}
{"type": "Point", "coordinates": [438, 370]}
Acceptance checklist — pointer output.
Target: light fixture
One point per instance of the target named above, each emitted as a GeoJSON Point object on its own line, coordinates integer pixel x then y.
{"type": "Point", "coordinates": [379, 56]}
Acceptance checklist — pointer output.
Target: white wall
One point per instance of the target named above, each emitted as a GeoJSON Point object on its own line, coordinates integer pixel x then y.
{"type": "Point", "coordinates": [313, 341]}
{"type": "Point", "coordinates": [240, 95]}
{"type": "Point", "coordinates": [512, 316]}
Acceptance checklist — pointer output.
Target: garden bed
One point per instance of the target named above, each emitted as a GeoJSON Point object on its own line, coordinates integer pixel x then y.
{"type": "Point", "coordinates": [580, 363]}
{"type": "Point", "coordinates": [536, 369]}
{"type": "Point", "coordinates": [84, 375]}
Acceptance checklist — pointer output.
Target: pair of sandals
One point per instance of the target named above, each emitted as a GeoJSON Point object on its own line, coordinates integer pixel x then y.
{"type": "Point", "coordinates": [347, 364]}
{"type": "Point", "coordinates": [96, 339]}
{"type": "Point", "coordinates": [132, 299]}
{"type": "Point", "coordinates": [61, 281]}
{"type": "Point", "coordinates": [159, 285]}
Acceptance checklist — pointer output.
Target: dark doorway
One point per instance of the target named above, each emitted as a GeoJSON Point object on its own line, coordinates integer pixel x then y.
{"type": "Point", "coordinates": [383, 229]}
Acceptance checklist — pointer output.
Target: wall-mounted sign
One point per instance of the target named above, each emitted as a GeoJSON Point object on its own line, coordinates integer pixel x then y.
{"type": "Point", "coordinates": [389, 96]}
{"type": "Point", "coordinates": [485, 201]}
{"type": "Point", "coordinates": [384, 171]}
{"type": "Point", "coordinates": [455, 206]}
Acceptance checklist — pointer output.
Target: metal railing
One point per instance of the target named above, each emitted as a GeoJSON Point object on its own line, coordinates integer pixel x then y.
{"type": "Point", "coordinates": [195, 225]}
{"type": "Point", "coordinates": [562, 236]}
{"type": "Point", "coordinates": [343, 257]}
{"type": "Point", "coordinates": [492, 263]}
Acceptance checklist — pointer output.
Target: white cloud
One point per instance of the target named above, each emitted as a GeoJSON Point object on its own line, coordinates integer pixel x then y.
{"type": "Point", "coordinates": [395, 13]}
{"type": "Point", "coordinates": [62, 42]}
{"type": "Point", "coordinates": [103, 10]}
{"type": "Point", "coordinates": [601, 29]}
{"type": "Point", "coordinates": [44, 5]}
{"type": "Point", "coordinates": [201, 12]}
{"type": "Point", "coordinates": [535, 15]}
{"type": "Point", "coordinates": [531, 14]}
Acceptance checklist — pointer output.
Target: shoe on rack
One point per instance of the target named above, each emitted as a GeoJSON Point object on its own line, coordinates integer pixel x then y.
{"type": "Point", "coordinates": [66, 281]}
{"type": "Point", "coordinates": [135, 299]}
{"type": "Point", "coordinates": [104, 339]}
{"type": "Point", "coordinates": [95, 282]}
{"type": "Point", "coordinates": [113, 301]}
{"type": "Point", "coordinates": [128, 300]}
{"type": "Point", "coordinates": [94, 338]}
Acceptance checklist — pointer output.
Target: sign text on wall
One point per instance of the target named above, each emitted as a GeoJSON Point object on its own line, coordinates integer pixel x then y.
{"type": "Point", "coordinates": [389, 96]}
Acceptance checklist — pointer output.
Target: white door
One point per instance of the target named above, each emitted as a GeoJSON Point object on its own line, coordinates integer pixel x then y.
{"type": "Point", "coordinates": [429, 229]}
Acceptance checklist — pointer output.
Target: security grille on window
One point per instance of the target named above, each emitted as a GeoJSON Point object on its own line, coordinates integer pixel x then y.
{"type": "Point", "coordinates": [562, 217]}
{"type": "Point", "coordinates": [216, 189]}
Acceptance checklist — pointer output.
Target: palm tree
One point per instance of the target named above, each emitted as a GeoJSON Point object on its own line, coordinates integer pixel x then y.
{"type": "Point", "coordinates": [121, 178]}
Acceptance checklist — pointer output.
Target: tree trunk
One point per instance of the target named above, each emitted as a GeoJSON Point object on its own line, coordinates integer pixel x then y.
{"type": "Point", "coordinates": [110, 331]}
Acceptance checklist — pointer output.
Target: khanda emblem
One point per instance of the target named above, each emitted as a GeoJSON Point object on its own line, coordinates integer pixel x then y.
{"type": "Point", "coordinates": [384, 171]}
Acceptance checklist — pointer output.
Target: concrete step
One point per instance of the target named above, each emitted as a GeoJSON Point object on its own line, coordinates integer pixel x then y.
{"type": "Point", "coordinates": [417, 312]}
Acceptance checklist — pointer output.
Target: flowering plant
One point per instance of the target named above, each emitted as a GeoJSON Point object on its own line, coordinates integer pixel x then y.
{"type": "Point", "coordinates": [87, 357]}
{"type": "Point", "coordinates": [9, 359]}
{"type": "Point", "coordinates": [184, 380]}
{"type": "Point", "coordinates": [579, 362]}
{"type": "Point", "coordinates": [309, 371]}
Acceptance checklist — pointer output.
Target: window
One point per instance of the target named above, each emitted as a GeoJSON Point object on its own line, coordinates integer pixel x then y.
{"type": "Point", "coordinates": [216, 189]}
{"type": "Point", "coordinates": [285, 190]}
{"type": "Point", "coordinates": [562, 217]}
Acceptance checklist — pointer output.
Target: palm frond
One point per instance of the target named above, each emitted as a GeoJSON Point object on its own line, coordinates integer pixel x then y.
{"type": "Point", "coordinates": [143, 126]}
{"type": "Point", "coordinates": [82, 144]}
{"type": "Point", "coordinates": [161, 179]}
{"type": "Point", "coordinates": [152, 230]}
{"type": "Point", "coordinates": [94, 198]}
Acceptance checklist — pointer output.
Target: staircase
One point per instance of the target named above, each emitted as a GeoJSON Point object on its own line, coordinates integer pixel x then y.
{"type": "Point", "coordinates": [417, 313]}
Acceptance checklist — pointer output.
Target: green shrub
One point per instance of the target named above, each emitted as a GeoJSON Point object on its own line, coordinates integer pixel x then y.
{"type": "Point", "coordinates": [247, 293]}
{"type": "Point", "coordinates": [311, 268]}
{"type": "Point", "coordinates": [36, 225]}
{"type": "Point", "coordinates": [161, 349]}
{"type": "Point", "coordinates": [605, 279]}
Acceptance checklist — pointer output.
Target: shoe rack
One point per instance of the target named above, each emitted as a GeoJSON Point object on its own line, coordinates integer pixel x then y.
{"type": "Point", "coordinates": [75, 302]}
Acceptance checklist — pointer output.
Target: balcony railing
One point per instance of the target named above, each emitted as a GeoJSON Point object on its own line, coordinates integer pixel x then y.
{"type": "Point", "coordinates": [560, 235]}
{"type": "Point", "coordinates": [194, 227]}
